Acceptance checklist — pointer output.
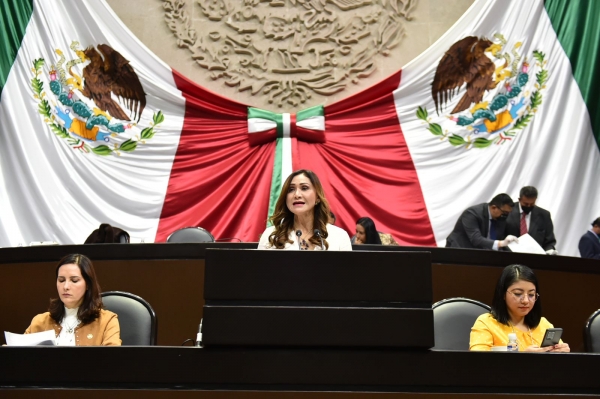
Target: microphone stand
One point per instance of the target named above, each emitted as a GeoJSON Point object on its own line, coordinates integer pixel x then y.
{"type": "Point", "coordinates": [317, 232]}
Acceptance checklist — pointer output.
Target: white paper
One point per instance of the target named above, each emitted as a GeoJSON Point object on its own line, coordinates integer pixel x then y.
{"type": "Point", "coordinates": [528, 245]}
{"type": "Point", "coordinates": [41, 338]}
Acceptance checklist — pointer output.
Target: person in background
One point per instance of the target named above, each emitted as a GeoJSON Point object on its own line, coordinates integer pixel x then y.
{"type": "Point", "coordinates": [300, 213]}
{"type": "Point", "coordinates": [528, 218]}
{"type": "Point", "coordinates": [483, 226]}
{"type": "Point", "coordinates": [516, 308]}
{"type": "Point", "coordinates": [77, 317]}
{"type": "Point", "coordinates": [366, 233]}
{"type": "Point", "coordinates": [589, 243]}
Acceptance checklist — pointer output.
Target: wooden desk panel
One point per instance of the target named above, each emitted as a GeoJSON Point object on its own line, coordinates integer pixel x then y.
{"type": "Point", "coordinates": [170, 277]}
{"type": "Point", "coordinates": [308, 370]}
{"type": "Point", "coordinates": [174, 288]}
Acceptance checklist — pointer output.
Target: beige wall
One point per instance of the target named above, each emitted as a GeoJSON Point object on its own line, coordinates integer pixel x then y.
{"type": "Point", "coordinates": [428, 20]}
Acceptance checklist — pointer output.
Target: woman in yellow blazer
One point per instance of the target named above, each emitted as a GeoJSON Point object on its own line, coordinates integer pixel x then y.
{"type": "Point", "coordinates": [516, 308]}
{"type": "Point", "coordinates": [77, 317]}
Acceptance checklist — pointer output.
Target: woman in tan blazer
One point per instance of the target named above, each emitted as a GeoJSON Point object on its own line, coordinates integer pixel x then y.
{"type": "Point", "coordinates": [77, 317]}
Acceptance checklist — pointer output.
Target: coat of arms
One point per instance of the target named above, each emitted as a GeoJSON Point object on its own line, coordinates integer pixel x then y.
{"type": "Point", "coordinates": [500, 92]}
{"type": "Point", "coordinates": [96, 108]}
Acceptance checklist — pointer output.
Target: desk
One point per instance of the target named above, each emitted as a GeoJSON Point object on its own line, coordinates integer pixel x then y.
{"type": "Point", "coordinates": [171, 278]}
{"type": "Point", "coordinates": [188, 368]}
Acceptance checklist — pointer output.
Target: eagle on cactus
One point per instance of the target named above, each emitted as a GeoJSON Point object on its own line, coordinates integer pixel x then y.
{"type": "Point", "coordinates": [112, 75]}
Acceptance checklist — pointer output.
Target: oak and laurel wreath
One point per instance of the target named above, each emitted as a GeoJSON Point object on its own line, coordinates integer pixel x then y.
{"type": "Point", "coordinates": [521, 123]}
{"type": "Point", "coordinates": [45, 110]}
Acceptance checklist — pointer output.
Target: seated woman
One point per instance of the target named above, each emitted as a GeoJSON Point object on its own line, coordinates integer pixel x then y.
{"type": "Point", "coordinates": [77, 317]}
{"type": "Point", "coordinates": [365, 228]}
{"type": "Point", "coordinates": [366, 233]}
{"type": "Point", "coordinates": [516, 308]}
{"type": "Point", "coordinates": [300, 211]}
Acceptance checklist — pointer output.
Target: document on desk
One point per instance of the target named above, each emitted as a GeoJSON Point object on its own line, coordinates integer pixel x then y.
{"type": "Point", "coordinates": [528, 245]}
{"type": "Point", "coordinates": [41, 338]}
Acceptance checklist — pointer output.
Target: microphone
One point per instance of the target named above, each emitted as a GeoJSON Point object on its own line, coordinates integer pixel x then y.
{"type": "Point", "coordinates": [299, 234]}
{"type": "Point", "coordinates": [199, 335]}
{"type": "Point", "coordinates": [317, 232]}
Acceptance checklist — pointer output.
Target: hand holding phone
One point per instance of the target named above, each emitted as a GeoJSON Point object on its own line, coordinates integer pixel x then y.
{"type": "Point", "coordinates": [551, 337]}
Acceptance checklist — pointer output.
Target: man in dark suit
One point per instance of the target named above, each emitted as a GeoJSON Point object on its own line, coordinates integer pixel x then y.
{"type": "Point", "coordinates": [526, 217]}
{"type": "Point", "coordinates": [483, 226]}
{"type": "Point", "coordinates": [589, 243]}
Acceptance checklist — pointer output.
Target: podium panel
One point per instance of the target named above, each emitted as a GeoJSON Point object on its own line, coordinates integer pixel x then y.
{"type": "Point", "coordinates": [367, 276]}
{"type": "Point", "coordinates": [329, 299]}
{"type": "Point", "coordinates": [317, 326]}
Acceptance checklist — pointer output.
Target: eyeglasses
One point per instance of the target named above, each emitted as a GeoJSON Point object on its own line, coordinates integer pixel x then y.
{"type": "Point", "coordinates": [520, 296]}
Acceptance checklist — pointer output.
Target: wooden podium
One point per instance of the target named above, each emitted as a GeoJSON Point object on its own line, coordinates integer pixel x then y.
{"type": "Point", "coordinates": [318, 299]}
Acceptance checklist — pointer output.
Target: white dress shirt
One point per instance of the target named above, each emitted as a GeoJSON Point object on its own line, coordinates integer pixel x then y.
{"type": "Point", "coordinates": [69, 321]}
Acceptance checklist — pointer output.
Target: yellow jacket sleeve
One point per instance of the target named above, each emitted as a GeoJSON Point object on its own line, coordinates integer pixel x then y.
{"type": "Point", "coordinates": [481, 337]}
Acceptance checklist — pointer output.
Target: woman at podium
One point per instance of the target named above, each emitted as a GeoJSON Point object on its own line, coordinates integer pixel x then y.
{"type": "Point", "coordinates": [301, 218]}
{"type": "Point", "coordinates": [77, 317]}
{"type": "Point", "coordinates": [516, 308]}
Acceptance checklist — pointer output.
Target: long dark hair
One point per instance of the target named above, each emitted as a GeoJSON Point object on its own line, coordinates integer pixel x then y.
{"type": "Point", "coordinates": [372, 236]}
{"type": "Point", "coordinates": [283, 218]}
{"type": "Point", "coordinates": [510, 275]}
{"type": "Point", "coordinates": [90, 307]}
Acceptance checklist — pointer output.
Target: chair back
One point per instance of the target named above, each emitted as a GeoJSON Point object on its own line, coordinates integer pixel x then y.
{"type": "Point", "coordinates": [452, 322]}
{"type": "Point", "coordinates": [137, 319]}
{"type": "Point", "coordinates": [592, 333]}
{"type": "Point", "coordinates": [191, 234]}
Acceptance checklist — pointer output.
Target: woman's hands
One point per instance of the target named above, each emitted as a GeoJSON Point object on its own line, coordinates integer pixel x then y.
{"type": "Point", "coordinates": [533, 348]}
{"type": "Point", "coordinates": [554, 348]}
{"type": "Point", "coordinates": [560, 348]}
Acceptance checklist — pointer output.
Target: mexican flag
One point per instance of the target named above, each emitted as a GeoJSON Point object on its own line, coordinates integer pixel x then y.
{"type": "Point", "coordinates": [528, 117]}
{"type": "Point", "coordinates": [156, 152]}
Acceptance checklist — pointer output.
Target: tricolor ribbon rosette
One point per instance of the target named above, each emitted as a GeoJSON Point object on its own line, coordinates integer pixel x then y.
{"type": "Point", "coordinates": [265, 126]}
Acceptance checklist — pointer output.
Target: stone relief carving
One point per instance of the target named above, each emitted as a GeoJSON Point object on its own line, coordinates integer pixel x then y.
{"type": "Point", "coordinates": [288, 50]}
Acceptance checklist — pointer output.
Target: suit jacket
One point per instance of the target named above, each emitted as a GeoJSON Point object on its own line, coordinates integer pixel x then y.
{"type": "Point", "coordinates": [540, 226]}
{"type": "Point", "coordinates": [471, 229]}
{"type": "Point", "coordinates": [589, 245]}
{"type": "Point", "coordinates": [104, 331]}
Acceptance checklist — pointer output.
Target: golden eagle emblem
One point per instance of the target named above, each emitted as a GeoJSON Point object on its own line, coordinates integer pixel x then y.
{"type": "Point", "coordinates": [464, 62]}
{"type": "Point", "coordinates": [112, 75]}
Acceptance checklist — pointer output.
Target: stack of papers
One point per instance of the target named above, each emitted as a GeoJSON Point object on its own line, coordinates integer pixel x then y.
{"type": "Point", "coordinates": [528, 245]}
{"type": "Point", "coordinates": [41, 338]}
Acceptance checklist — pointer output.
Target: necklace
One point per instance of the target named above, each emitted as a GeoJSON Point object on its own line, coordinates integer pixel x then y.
{"type": "Point", "coordinates": [303, 245]}
{"type": "Point", "coordinates": [71, 328]}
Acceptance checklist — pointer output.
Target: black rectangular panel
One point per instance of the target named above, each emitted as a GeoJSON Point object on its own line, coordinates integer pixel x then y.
{"type": "Point", "coordinates": [259, 275]}
{"type": "Point", "coordinates": [317, 326]}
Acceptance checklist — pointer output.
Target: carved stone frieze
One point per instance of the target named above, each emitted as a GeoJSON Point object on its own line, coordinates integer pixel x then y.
{"type": "Point", "coordinates": [288, 50]}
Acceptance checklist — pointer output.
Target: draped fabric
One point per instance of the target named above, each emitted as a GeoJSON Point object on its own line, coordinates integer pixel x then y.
{"type": "Point", "coordinates": [14, 17]}
{"type": "Point", "coordinates": [531, 128]}
{"type": "Point", "coordinates": [379, 180]}
{"type": "Point", "coordinates": [218, 181]}
{"type": "Point", "coordinates": [391, 152]}
{"type": "Point", "coordinates": [366, 168]}
{"type": "Point", "coordinates": [58, 183]}
{"type": "Point", "coordinates": [578, 31]}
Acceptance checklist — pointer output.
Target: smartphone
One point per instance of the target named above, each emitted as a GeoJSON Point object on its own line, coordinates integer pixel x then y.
{"type": "Point", "coordinates": [551, 337]}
